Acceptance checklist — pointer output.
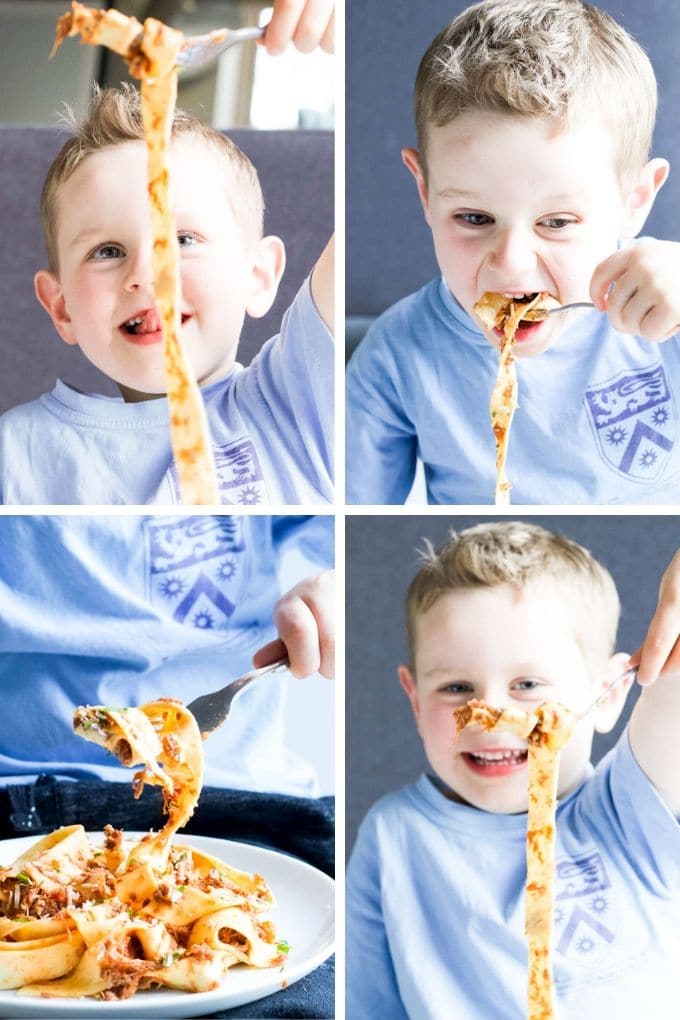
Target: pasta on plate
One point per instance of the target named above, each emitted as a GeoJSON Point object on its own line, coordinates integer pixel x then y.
{"type": "Point", "coordinates": [82, 919]}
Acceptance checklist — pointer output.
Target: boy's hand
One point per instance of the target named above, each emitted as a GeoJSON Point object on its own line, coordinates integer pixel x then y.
{"type": "Point", "coordinates": [306, 23]}
{"type": "Point", "coordinates": [645, 297]}
{"type": "Point", "coordinates": [660, 651]}
{"type": "Point", "coordinates": [305, 620]}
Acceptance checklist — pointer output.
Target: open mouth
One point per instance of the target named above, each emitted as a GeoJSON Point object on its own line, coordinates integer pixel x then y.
{"type": "Point", "coordinates": [502, 762]}
{"type": "Point", "coordinates": [145, 327]}
{"type": "Point", "coordinates": [522, 299]}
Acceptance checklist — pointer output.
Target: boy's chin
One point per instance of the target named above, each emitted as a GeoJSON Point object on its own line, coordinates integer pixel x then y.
{"type": "Point", "coordinates": [529, 342]}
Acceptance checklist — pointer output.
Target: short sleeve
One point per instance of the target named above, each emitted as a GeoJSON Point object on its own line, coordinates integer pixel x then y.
{"type": "Point", "coordinates": [372, 989]}
{"type": "Point", "coordinates": [382, 445]}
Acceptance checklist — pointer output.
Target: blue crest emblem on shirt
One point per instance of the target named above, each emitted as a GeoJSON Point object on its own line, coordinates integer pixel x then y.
{"type": "Point", "coordinates": [586, 911]}
{"type": "Point", "coordinates": [196, 568]}
{"type": "Point", "coordinates": [239, 475]}
{"type": "Point", "coordinates": [634, 420]}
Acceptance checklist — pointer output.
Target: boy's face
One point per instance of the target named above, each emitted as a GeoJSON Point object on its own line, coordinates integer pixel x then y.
{"type": "Point", "coordinates": [105, 273]}
{"type": "Point", "coordinates": [511, 649]}
{"type": "Point", "coordinates": [518, 205]}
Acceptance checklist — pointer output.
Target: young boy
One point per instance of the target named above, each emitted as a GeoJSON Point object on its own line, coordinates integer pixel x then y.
{"type": "Point", "coordinates": [534, 121]}
{"type": "Point", "coordinates": [271, 423]}
{"type": "Point", "coordinates": [515, 616]}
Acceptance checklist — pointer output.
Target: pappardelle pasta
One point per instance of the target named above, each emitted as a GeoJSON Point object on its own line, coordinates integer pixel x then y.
{"type": "Point", "coordinates": [150, 51]}
{"type": "Point", "coordinates": [501, 312]}
{"type": "Point", "coordinates": [546, 730]}
{"type": "Point", "coordinates": [82, 919]}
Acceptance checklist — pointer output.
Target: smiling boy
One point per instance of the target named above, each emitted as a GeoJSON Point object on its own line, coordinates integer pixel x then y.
{"type": "Point", "coordinates": [71, 447]}
{"type": "Point", "coordinates": [534, 123]}
{"type": "Point", "coordinates": [513, 615]}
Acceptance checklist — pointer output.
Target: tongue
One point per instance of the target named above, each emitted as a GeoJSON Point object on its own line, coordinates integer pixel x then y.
{"type": "Point", "coordinates": [150, 323]}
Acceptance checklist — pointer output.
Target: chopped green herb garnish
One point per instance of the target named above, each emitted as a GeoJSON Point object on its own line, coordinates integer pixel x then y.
{"type": "Point", "coordinates": [24, 878]}
{"type": "Point", "coordinates": [283, 947]}
{"type": "Point", "coordinates": [181, 888]}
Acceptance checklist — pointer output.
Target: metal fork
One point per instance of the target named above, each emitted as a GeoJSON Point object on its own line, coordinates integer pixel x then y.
{"type": "Point", "coordinates": [210, 710]}
{"type": "Point", "coordinates": [630, 674]}
{"type": "Point", "coordinates": [201, 49]}
{"type": "Point", "coordinates": [538, 314]}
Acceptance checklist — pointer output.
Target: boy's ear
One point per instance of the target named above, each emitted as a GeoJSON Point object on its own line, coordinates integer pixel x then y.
{"type": "Point", "coordinates": [641, 197]}
{"type": "Point", "coordinates": [50, 295]}
{"type": "Point", "coordinates": [269, 263]}
{"type": "Point", "coordinates": [411, 159]}
{"type": "Point", "coordinates": [607, 714]}
{"type": "Point", "coordinates": [407, 681]}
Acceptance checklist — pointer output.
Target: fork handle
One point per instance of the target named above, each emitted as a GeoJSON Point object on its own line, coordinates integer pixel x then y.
{"type": "Point", "coordinates": [272, 667]}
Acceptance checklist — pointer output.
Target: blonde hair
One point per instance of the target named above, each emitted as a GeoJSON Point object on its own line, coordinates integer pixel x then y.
{"type": "Point", "coordinates": [550, 58]}
{"type": "Point", "coordinates": [516, 553]}
{"type": "Point", "coordinates": [115, 117]}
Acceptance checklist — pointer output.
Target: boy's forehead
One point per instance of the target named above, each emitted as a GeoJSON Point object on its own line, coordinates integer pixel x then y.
{"type": "Point", "coordinates": [480, 613]}
{"type": "Point", "coordinates": [118, 173]}
{"type": "Point", "coordinates": [479, 145]}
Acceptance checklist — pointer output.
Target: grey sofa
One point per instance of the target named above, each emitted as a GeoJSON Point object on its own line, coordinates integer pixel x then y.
{"type": "Point", "coordinates": [296, 170]}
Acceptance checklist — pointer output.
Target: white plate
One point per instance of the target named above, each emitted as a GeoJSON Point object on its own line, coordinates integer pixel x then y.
{"type": "Point", "coordinates": [303, 917]}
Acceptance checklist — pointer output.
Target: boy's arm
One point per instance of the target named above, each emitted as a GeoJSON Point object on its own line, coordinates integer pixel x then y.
{"type": "Point", "coordinates": [655, 721]}
{"type": "Point", "coordinates": [638, 289]}
{"type": "Point", "coordinates": [371, 985]}
{"type": "Point", "coordinates": [382, 447]}
{"type": "Point", "coordinates": [323, 284]}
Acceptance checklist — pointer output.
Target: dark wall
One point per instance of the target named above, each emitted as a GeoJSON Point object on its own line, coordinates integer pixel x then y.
{"type": "Point", "coordinates": [389, 253]}
{"type": "Point", "coordinates": [383, 750]}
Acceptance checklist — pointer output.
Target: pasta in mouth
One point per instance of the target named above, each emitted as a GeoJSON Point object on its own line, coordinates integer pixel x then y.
{"type": "Point", "coordinates": [546, 730]}
{"type": "Point", "coordinates": [79, 919]}
{"type": "Point", "coordinates": [505, 313]}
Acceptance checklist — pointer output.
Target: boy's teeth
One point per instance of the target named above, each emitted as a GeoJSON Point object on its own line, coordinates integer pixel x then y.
{"type": "Point", "coordinates": [495, 756]}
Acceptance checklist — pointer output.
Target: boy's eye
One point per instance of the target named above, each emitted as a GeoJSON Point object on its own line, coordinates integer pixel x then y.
{"type": "Point", "coordinates": [186, 240]}
{"type": "Point", "coordinates": [527, 684]}
{"type": "Point", "coordinates": [456, 688]}
{"type": "Point", "coordinates": [557, 222]}
{"type": "Point", "coordinates": [106, 251]}
{"type": "Point", "coordinates": [473, 219]}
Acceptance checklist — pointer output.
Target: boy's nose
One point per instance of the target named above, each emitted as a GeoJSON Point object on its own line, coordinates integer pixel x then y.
{"type": "Point", "coordinates": [139, 274]}
{"type": "Point", "coordinates": [513, 255]}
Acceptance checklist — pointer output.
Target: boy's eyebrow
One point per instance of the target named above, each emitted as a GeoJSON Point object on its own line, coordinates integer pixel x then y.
{"type": "Point", "coordinates": [438, 671]}
{"type": "Point", "coordinates": [458, 193]}
{"type": "Point", "coordinates": [83, 235]}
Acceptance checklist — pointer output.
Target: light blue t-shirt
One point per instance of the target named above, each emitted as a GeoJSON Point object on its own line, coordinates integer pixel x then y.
{"type": "Point", "coordinates": [123, 610]}
{"type": "Point", "coordinates": [435, 905]}
{"type": "Point", "coordinates": [271, 426]}
{"type": "Point", "coordinates": [598, 417]}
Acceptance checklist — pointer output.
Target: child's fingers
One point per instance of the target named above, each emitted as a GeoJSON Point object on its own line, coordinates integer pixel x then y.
{"type": "Point", "coordinates": [311, 28]}
{"type": "Point", "coordinates": [305, 622]}
{"type": "Point", "coordinates": [281, 28]}
{"type": "Point", "coordinates": [660, 651]}
{"type": "Point", "coordinates": [607, 273]}
{"type": "Point", "coordinates": [328, 38]}
{"type": "Point", "coordinates": [303, 22]}
{"type": "Point", "coordinates": [269, 653]}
